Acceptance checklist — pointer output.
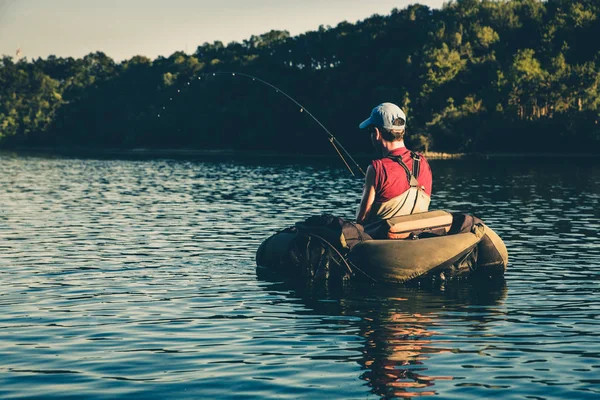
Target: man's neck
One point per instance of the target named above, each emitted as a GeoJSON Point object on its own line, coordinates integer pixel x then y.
{"type": "Point", "coordinates": [391, 146]}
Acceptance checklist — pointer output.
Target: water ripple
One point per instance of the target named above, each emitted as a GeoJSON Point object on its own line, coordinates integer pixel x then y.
{"type": "Point", "coordinates": [136, 278]}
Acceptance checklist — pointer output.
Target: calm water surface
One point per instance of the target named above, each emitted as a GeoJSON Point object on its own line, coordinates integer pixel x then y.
{"type": "Point", "coordinates": [136, 278]}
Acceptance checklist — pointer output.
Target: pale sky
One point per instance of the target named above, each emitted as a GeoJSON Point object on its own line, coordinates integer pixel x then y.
{"type": "Point", "coordinates": [125, 28]}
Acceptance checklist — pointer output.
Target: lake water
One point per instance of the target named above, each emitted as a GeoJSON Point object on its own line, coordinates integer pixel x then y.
{"type": "Point", "coordinates": [136, 278]}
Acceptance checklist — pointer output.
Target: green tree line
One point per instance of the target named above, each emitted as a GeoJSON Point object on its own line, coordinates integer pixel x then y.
{"type": "Point", "coordinates": [474, 76]}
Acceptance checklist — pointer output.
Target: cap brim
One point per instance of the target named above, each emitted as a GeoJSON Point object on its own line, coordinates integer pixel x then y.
{"type": "Point", "coordinates": [365, 123]}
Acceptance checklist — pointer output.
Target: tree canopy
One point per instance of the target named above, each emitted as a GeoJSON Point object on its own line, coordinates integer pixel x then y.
{"type": "Point", "coordinates": [474, 76]}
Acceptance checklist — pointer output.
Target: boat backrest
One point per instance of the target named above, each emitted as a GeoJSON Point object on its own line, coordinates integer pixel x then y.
{"type": "Point", "coordinates": [406, 226]}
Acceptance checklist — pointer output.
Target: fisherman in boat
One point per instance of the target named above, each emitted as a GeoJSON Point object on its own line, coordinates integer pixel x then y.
{"type": "Point", "coordinates": [399, 183]}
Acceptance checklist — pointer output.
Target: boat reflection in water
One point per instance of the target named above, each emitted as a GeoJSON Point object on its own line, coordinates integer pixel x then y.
{"type": "Point", "coordinates": [398, 324]}
{"type": "Point", "coordinates": [394, 353]}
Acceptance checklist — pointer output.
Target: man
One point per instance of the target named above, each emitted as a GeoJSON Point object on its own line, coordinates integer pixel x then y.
{"type": "Point", "coordinates": [399, 183]}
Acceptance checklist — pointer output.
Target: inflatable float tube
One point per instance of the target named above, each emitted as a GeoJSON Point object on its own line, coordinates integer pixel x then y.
{"type": "Point", "coordinates": [415, 247]}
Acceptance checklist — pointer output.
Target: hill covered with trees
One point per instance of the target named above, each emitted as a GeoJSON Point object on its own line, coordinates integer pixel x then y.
{"type": "Point", "coordinates": [474, 76]}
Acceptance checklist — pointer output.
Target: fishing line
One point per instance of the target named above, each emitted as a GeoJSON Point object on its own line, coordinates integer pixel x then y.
{"type": "Point", "coordinates": [332, 139]}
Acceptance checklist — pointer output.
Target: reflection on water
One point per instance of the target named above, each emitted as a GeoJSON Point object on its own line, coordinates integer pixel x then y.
{"type": "Point", "coordinates": [398, 326]}
{"type": "Point", "coordinates": [398, 347]}
{"type": "Point", "coordinates": [137, 278]}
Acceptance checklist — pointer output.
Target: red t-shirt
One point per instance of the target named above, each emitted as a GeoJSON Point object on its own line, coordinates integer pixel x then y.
{"type": "Point", "coordinates": [390, 177]}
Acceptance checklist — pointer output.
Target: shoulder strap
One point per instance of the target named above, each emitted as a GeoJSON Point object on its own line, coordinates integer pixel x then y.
{"type": "Point", "coordinates": [398, 159]}
{"type": "Point", "coordinates": [411, 178]}
{"type": "Point", "coordinates": [416, 163]}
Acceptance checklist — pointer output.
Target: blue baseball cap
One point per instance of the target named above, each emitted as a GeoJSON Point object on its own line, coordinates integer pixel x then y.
{"type": "Point", "coordinates": [385, 116]}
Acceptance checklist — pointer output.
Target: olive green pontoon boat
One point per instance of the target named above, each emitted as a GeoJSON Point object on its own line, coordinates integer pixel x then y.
{"type": "Point", "coordinates": [430, 245]}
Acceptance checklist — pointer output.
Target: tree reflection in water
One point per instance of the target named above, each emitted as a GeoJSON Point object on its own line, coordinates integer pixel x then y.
{"type": "Point", "coordinates": [397, 325]}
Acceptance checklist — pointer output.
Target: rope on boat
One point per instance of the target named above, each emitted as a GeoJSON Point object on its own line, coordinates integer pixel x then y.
{"type": "Point", "coordinates": [347, 263]}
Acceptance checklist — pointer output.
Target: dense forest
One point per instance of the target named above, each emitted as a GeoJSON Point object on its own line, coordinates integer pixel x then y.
{"type": "Point", "coordinates": [475, 76]}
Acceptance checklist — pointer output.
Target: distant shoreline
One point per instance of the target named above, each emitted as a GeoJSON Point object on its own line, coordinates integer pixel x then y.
{"type": "Point", "coordinates": [146, 152]}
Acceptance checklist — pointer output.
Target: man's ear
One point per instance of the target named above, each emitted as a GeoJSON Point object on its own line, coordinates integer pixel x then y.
{"type": "Point", "coordinates": [377, 133]}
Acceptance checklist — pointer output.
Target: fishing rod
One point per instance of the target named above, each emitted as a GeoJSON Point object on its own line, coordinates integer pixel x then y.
{"type": "Point", "coordinates": [332, 139]}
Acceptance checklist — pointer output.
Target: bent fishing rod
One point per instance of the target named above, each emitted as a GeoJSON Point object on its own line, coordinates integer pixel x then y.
{"type": "Point", "coordinates": [332, 139]}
